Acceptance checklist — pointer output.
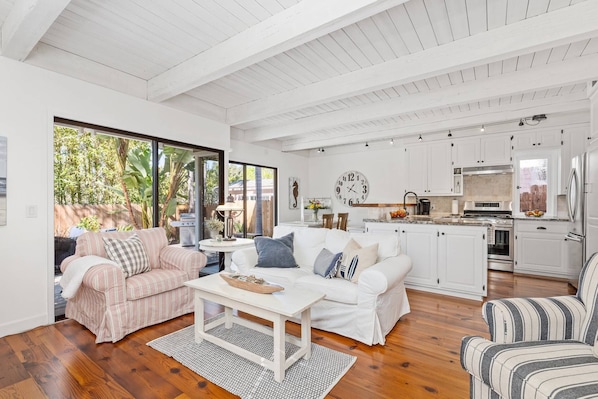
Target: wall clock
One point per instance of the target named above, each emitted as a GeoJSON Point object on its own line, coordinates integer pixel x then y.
{"type": "Point", "coordinates": [351, 187]}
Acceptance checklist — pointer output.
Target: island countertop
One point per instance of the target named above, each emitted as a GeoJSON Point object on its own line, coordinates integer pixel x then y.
{"type": "Point", "coordinates": [442, 220]}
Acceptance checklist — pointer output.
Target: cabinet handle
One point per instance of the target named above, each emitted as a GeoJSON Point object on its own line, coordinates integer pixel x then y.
{"type": "Point", "coordinates": [442, 233]}
{"type": "Point", "coordinates": [403, 231]}
{"type": "Point", "coordinates": [540, 228]}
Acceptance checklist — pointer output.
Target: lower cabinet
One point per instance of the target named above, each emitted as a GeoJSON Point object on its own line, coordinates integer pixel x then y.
{"type": "Point", "coordinates": [450, 260]}
{"type": "Point", "coordinates": [541, 248]}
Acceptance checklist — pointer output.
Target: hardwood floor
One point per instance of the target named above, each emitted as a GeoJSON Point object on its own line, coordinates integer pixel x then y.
{"type": "Point", "coordinates": [420, 358]}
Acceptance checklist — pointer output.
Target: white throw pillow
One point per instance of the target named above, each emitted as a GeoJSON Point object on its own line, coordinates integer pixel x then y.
{"type": "Point", "coordinates": [356, 259]}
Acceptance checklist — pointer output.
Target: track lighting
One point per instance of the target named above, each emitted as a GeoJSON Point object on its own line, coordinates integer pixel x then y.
{"type": "Point", "coordinates": [449, 134]}
{"type": "Point", "coordinates": [520, 122]}
{"type": "Point", "coordinates": [366, 144]}
{"type": "Point", "coordinates": [321, 149]}
{"type": "Point", "coordinates": [482, 129]}
{"type": "Point", "coordinates": [420, 138]}
{"type": "Point", "coordinates": [392, 141]}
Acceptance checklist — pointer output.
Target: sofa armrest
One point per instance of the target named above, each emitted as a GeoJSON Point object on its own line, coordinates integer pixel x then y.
{"type": "Point", "coordinates": [378, 278]}
{"type": "Point", "coordinates": [243, 260]}
{"type": "Point", "coordinates": [534, 319]}
{"type": "Point", "coordinates": [187, 260]}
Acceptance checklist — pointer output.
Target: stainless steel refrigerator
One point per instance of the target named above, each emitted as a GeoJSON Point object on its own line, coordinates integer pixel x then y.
{"type": "Point", "coordinates": [582, 206]}
{"type": "Point", "coordinates": [576, 210]}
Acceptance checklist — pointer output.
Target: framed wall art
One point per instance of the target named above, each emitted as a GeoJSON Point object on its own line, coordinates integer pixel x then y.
{"type": "Point", "coordinates": [294, 193]}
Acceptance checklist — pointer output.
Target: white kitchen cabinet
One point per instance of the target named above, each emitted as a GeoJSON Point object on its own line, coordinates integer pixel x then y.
{"type": "Point", "coordinates": [375, 227]}
{"type": "Point", "coordinates": [420, 243]}
{"type": "Point", "coordinates": [429, 168]}
{"type": "Point", "coordinates": [541, 248]}
{"type": "Point", "coordinates": [482, 151]}
{"type": "Point", "coordinates": [449, 260]}
{"type": "Point", "coordinates": [537, 139]}
{"type": "Point", "coordinates": [462, 259]}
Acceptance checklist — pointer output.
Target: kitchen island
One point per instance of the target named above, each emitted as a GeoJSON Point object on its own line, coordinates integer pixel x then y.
{"type": "Point", "coordinates": [449, 256]}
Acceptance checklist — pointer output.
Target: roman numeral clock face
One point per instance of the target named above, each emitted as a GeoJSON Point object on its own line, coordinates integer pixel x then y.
{"type": "Point", "coordinates": [351, 188]}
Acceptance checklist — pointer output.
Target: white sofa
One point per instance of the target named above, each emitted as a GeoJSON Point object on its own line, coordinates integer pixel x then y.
{"type": "Point", "coordinates": [365, 311]}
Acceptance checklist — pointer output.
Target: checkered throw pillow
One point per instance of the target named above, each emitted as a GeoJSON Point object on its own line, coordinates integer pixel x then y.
{"type": "Point", "coordinates": [129, 254]}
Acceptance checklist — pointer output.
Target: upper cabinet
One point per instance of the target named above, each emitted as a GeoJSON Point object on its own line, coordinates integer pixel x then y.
{"type": "Point", "coordinates": [482, 151]}
{"type": "Point", "coordinates": [538, 139]}
{"type": "Point", "coordinates": [429, 169]}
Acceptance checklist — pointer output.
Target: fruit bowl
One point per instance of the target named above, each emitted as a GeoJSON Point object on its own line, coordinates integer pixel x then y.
{"type": "Point", "coordinates": [536, 213]}
{"type": "Point", "coordinates": [398, 214]}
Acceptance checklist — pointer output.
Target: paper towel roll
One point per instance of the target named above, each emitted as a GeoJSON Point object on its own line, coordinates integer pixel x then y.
{"type": "Point", "coordinates": [455, 207]}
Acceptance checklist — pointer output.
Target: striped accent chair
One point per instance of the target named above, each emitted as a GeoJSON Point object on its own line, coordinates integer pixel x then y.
{"type": "Point", "coordinates": [538, 347]}
{"type": "Point", "coordinates": [112, 306]}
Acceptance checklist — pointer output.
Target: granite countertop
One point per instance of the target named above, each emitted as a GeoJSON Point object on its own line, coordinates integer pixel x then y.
{"type": "Point", "coordinates": [542, 218]}
{"type": "Point", "coordinates": [443, 220]}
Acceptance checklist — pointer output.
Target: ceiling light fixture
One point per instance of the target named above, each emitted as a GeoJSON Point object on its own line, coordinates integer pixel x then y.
{"type": "Point", "coordinates": [449, 134]}
{"type": "Point", "coordinates": [323, 150]}
{"type": "Point", "coordinates": [420, 138]}
{"type": "Point", "coordinates": [533, 121]}
{"type": "Point", "coordinates": [482, 129]}
{"type": "Point", "coordinates": [392, 141]}
{"type": "Point", "coordinates": [366, 144]}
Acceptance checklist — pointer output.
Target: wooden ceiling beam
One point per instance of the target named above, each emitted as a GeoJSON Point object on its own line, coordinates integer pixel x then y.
{"type": "Point", "coordinates": [542, 32]}
{"type": "Point", "coordinates": [572, 71]}
{"type": "Point", "coordinates": [461, 120]}
{"type": "Point", "coordinates": [26, 24]}
{"type": "Point", "coordinates": [305, 21]}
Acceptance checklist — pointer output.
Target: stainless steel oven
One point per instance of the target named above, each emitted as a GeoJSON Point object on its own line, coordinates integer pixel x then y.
{"type": "Point", "coordinates": [500, 233]}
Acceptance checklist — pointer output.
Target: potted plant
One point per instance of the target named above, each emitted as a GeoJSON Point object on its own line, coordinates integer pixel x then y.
{"type": "Point", "coordinates": [214, 226]}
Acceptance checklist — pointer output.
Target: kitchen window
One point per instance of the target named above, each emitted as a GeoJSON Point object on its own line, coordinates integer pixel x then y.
{"type": "Point", "coordinates": [536, 181]}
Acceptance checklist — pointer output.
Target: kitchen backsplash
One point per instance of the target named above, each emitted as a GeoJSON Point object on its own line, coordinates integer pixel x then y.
{"type": "Point", "coordinates": [497, 187]}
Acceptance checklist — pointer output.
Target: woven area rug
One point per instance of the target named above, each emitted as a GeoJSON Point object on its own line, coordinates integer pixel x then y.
{"type": "Point", "coordinates": [305, 379]}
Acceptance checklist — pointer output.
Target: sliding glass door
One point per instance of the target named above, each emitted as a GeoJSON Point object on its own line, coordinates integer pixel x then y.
{"type": "Point", "coordinates": [253, 188]}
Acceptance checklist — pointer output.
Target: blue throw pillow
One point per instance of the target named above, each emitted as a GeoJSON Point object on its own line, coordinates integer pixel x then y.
{"type": "Point", "coordinates": [327, 263]}
{"type": "Point", "coordinates": [275, 252]}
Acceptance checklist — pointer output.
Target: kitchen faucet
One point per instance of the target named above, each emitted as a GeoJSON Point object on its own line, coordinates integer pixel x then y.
{"type": "Point", "coordinates": [416, 201]}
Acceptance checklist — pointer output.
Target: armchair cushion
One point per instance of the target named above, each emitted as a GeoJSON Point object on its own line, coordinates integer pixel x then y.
{"type": "Point", "coordinates": [540, 369]}
{"type": "Point", "coordinates": [129, 254]}
{"type": "Point", "coordinates": [154, 282]}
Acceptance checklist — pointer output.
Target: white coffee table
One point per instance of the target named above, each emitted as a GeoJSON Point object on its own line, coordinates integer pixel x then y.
{"type": "Point", "coordinates": [277, 308]}
{"type": "Point", "coordinates": [226, 247]}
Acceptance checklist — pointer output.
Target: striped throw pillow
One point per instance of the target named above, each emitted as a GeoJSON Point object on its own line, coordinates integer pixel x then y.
{"type": "Point", "coordinates": [355, 260]}
{"type": "Point", "coordinates": [129, 254]}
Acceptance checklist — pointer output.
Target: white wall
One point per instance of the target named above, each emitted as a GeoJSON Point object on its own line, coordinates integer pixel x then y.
{"type": "Point", "coordinates": [382, 165]}
{"type": "Point", "coordinates": [288, 165]}
{"type": "Point", "coordinates": [29, 100]}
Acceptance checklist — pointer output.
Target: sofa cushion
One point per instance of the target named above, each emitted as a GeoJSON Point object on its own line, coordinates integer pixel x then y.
{"type": "Point", "coordinates": [326, 263]}
{"type": "Point", "coordinates": [129, 254]}
{"type": "Point", "coordinates": [307, 245]}
{"type": "Point", "coordinates": [275, 252]}
{"type": "Point", "coordinates": [388, 243]}
{"type": "Point", "coordinates": [335, 289]}
{"type": "Point", "coordinates": [356, 260]}
{"type": "Point", "coordinates": [281, 276]}
{"type": "Point", "coordinates": [154, 282]}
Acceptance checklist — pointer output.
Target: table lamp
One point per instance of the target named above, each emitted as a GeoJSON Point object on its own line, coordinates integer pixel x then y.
{"type": "Point", "coordinates": [229, 210]}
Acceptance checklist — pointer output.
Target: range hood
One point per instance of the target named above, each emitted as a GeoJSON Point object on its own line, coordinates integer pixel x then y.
{"type": "Point", "coordinates": [488, 170]}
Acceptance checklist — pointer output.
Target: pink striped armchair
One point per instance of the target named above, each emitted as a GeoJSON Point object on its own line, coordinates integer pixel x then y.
{"type": "Point", "coordinates": [111, 306]}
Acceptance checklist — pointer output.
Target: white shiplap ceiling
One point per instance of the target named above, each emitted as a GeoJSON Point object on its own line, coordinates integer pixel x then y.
{"type": "Point", "coordinates": [314, 73]}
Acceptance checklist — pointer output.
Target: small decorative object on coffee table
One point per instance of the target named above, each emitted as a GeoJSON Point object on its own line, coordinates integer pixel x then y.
{"type": "Point", "coordinates": [250, 283]}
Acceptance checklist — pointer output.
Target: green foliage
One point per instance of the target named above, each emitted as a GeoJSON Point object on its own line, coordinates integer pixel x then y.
{"type": "Point", "coordinates": [89, 223]}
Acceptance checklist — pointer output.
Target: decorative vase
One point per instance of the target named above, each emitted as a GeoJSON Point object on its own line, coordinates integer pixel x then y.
{"type": "Point", "coordinates": [214, 234]}
{"type": "Point", "coordinates": [315, 215]}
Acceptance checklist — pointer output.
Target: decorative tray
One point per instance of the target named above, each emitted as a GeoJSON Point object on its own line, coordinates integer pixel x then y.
{"type": "Point", "coordinates": [250, 283]}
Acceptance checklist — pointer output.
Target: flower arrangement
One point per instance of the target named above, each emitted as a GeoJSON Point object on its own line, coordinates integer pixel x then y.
{"type": "Point", "coordinates": [315, 205]}
{"type": "Point", "coordinates": [214, 224]}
